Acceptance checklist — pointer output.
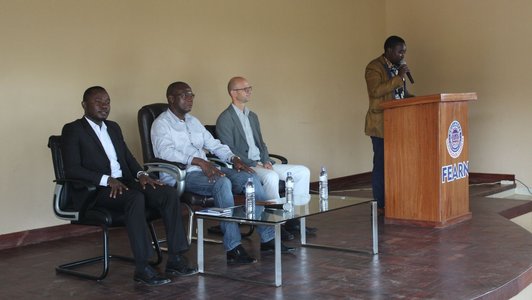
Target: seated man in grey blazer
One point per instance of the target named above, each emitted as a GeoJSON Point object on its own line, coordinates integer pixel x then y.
{"type": "Point", "coordinates": [239, 128]}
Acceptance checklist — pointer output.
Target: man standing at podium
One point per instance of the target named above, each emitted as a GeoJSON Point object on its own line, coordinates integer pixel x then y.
{"type": "Point", "coordinates": [385, 80]}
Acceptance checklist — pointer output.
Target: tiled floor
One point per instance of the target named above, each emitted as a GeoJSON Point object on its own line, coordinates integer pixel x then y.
{"type": "Point", "coordinates": [487, 256]}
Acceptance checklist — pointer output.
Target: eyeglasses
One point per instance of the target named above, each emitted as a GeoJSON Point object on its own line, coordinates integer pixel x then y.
{"type": "Point", "coordinates": [186, 95]}
{"type": "Point", "coordinates": [246, 89]}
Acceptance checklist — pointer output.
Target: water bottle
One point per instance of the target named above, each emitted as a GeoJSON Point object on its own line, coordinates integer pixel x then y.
{"type": "Point", "coordinates": [289, 193]}
{"type": "Point", "coordinates": [324, 189]}
{"type": "Point", "coordinates": [250, 199]}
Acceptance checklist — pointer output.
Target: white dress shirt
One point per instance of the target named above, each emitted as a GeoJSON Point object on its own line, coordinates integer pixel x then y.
{"type": "Point", "coordinates": [243, 116]}
{"type": "Point", "coordinates": [180, 141]}
{"type": "Point", "coordinates": [105, 139]}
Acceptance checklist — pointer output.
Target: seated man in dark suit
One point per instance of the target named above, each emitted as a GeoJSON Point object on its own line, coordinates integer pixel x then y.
{"type": "Point", "coordinates": [94, 150]}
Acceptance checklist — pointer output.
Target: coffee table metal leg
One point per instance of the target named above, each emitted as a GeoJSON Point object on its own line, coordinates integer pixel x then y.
{"type": "Point", "coordinates": [374, 227]}
{"type": "Point", "coordinates": [201, 265]}
{"type": "Point", "coordinates": [278, 266]}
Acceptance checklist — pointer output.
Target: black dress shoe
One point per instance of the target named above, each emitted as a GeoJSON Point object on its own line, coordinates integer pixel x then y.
{"type": "Point", "coordinates": [149, 276]}
{"type": "Point", "coordinates": [270, 246]}
{"type": "Point", "coordinates": [286, 235]}
{"type": "Point", "coordinates": [239, 256]}
{"type": "Point", "coordinates": [180, 267]}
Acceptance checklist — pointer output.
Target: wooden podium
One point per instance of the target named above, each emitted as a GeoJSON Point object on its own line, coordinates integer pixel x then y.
{"type": "Point", "coordinates": [426, 167]}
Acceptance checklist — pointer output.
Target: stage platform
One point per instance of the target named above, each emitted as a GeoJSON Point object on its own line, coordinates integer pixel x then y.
{"type": "Point", "coordinates": [487, 257]}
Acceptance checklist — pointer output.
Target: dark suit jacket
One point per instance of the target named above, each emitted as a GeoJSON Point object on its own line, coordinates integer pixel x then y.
{"type": "Point", "coordinates": [85, 159]}
{"type": "Point", "coordinates": [230, 132]}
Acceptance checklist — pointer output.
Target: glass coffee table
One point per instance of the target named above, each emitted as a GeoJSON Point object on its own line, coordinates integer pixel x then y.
{"type": "Point", "coordinates": [272, 216]}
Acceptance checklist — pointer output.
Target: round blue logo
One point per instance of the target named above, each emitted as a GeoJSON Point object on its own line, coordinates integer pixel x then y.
{"type": "Point", "coordinates": [455, 139]}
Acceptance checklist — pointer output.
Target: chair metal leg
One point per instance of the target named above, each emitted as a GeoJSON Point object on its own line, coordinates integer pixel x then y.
{"type": "Point", "coordinates": [190, 236]}
{"type": "Point", "coordinates": [190, 222]}
{"type": "Point", "coordinates": [156, 245]}
{"type": "Point", "coordinates": [191, 227]}
{"type": "Point", "coordinates": [71, 268]}
{"type": "Point", "coordinates": [250, 231]}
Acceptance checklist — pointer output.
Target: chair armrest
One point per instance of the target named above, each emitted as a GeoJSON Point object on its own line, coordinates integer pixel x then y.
{"type": "Point", "coordinates": [176, 170]}
{"type": "Point", "coordinates": [220, 162]}
{"type": "Point", "coordinates": [77, 184]}
{"type": "Point", "coordinates": [63, 203]}
{"type": "Point", "coordinates": [282, 159]}
{"type": "Point", "coordinates": [163, 161]}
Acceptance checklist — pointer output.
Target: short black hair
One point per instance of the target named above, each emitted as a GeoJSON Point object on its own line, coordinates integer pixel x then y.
{"type": "Point", "coordinates": [91, 91]}
{"type": "Point", "coordinates": [173, 87]}
{"type": "Point", "coordinates": [393, 41]}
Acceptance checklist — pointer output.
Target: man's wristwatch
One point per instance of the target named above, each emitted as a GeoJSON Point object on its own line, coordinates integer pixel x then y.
{"type": "Point", "coordinates": [140, 173]}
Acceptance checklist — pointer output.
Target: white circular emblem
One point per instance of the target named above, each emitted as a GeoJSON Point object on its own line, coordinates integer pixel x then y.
{"type": "Point", "coordinates": [455, 139]}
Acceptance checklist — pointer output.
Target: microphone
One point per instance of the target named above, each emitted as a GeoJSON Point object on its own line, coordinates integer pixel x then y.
{"type": "Point", "coordinates": [410, 77]}
{"type": "Point", "coordinates": [408, 73]}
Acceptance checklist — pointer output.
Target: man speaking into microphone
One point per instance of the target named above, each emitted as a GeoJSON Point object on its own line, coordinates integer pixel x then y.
{"type": "Point", "coordinates": [385, 80]}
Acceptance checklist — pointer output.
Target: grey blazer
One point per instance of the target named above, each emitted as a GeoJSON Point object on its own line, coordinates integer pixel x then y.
{"type": "Point", "coordinates": [230, 132]}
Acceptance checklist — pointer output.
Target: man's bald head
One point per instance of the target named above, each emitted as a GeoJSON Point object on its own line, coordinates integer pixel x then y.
{"type": "Point", "coordinates": [239, 91]}
{"type": "Point", "coordinates": [234, 83]}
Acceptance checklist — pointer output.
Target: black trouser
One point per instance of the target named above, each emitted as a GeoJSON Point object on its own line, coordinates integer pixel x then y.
{"type": "Point", "coordinates": [133, 203]}
{"type": "Point", "coordinates": [377, 175]}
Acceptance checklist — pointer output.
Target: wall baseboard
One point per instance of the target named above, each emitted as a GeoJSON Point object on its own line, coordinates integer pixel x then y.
{"type": "Point", "coordinates": [34, 236]}
{"type": "Point", "coordinates": [46, 234]}
{"type": "Point", "coordinates": [345, 182]}
{"type": "Point", "coordinates": [489, 177]}
{"type": "Point", "coordinates": [365, 178]}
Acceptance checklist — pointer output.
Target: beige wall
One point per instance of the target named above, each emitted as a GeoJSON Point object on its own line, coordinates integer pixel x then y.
{"type": "Point", "coordinates": [305, 59]}
{"type": "Point", "coordinates": [480, 46]}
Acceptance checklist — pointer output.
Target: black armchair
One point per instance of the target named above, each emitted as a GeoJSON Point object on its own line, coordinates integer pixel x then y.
{"type": "Point", "coordinates": [89, 216]}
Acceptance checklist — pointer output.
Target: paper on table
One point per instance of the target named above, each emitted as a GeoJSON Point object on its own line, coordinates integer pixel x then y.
{"type": "Point", "coordinates": [215, 211]}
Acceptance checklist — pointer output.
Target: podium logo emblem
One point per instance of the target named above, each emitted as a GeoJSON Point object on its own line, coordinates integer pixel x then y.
{"type": "Point", "coordinates": [455, 139]}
